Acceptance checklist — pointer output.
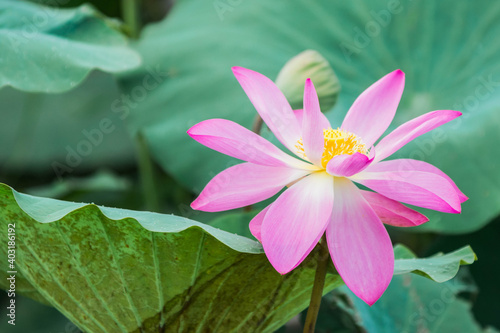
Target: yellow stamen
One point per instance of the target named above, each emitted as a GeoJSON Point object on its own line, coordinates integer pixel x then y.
{"type": "Point", "coordinates": [337, 142]}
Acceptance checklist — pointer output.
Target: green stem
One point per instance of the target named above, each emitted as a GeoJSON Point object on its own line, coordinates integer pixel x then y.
{"type": "Point", "coordinates": [147, 175]}
{"type": "Point", "coordinates": [130, 14]}
{"type": "Point", "coordinates": [319, 283]}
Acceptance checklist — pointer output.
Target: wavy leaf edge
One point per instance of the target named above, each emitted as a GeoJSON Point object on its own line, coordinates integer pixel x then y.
{"type": "Point", "coordinates": [406, 261]}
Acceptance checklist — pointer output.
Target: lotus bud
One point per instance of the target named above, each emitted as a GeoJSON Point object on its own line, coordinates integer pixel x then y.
{"type": "Point", "coordinates": [309, 64]}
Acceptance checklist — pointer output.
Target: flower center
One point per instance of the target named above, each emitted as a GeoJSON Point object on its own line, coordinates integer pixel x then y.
{"type": "Point", "coordinates": [337, 142]}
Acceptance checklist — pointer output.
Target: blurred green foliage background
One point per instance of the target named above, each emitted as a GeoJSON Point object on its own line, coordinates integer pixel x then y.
{"type": "Point", "coordinates": [451, 55]}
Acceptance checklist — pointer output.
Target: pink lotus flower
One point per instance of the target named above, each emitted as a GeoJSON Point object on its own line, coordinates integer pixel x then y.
{"type": "Point", "coordinates": [321, 195]}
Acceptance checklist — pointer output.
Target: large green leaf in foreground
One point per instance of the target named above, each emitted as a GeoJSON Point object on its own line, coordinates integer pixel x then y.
{"type": "Point", "coordinates": [115, 270]}
{"type": "Point", "coordinates": [52, 50]}
{"type": "Point", "coordinates": [448, 50]}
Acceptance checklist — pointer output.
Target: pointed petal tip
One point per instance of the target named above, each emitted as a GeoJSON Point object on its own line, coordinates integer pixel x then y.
{"type": "Point", "coordinates": [283, 265]}
{"type": "Point", "coordinates": [242, 71]}
{"type": "Point", "coordinates": [203, 125]}
{"type": "Point", "coordinates": [397, 74]}
{"type": "Point", "coordinates": [194, 205]}
{"type": "Point", "coordinates": [451, 113]}
{"type": "Point", "coordinates": [237, 69]}
{"type": "Point", "coordinates": [202, 207]}
{"type": "Point", "coordinates": [452, 210]}
{"type": "Point", "coordinates": [282, 270]}
{"type": "Point", "coordinates": [419, 221]}
{"type": "Point", "coordinates": [309, 88]}
{"type": "Point", "coordinates": [193, 129]}
{"type": "Point", "coordinates": [199, 204]}
{"type": "Point", "coordinates": [370, 297]}
{"type": "Point", "coordinates": [399, 77]}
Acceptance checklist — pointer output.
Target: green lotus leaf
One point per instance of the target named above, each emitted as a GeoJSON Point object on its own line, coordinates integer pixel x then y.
{"type": "Point", "coordinates": [440, 267]}
{"type": "Point", "coordinates": [410, 304]}
{"type": "Point", "coordinates": [114, 270]}
{"type": "Point", "coordinates": [65, 134]}
{"type": "Point", "coordinates": [117, 270]}
{"type": "Point", "coordinates": [45, 49]}
{"type": "Point", "coordinates": [449, 63]}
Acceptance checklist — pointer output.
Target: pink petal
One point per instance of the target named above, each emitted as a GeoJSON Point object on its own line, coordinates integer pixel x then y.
{"type": "Point", "coordinates": [415, 165]}
{"type": "Point", "coordinates": [244, 184]}
{"type": "Point", "coordinates": [348, 165]}
{"type": "Point", "coordinates": [423, 189]}
{"type": "Point", "coordinates": [392, 212]}
{"type": "Point", "coordinates": [299, 114]}
{"type": "Point", "coordinates": [359, 245]}
{"type": "Point", "coordinates": [271, 104]}
{"type": "Point", "coordinates": [312, 128]}
{"type": "Point", "coordinates": [256, 223]}
{"type": "Point", "coordinates": [373, 111]}
{"type": "Point", "coordinates": [412, 129]}
{"type": "Point", "coordinates": [235, 140]}
{"type": "Point", "coordinates": [296, 221]}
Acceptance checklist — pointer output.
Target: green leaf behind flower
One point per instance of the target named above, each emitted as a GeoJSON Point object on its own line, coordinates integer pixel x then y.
{"type": "Point", "coordinates": [450, 63]}
{"type": "Point", "coordinates": [440, 267]}
{"type": "Point", "coordinates": [52, 50]}
{"type": "Point", "coordinates": [410, 304]}
{"type": "Point", "coordinates": [65, 134]}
